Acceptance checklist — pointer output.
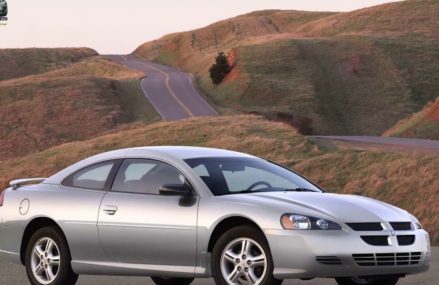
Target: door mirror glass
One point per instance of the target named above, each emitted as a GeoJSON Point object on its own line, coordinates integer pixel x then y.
{"type": "Point", "coordinates": [174, 190]}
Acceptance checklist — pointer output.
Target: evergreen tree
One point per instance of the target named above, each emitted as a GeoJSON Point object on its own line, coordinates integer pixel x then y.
{"type": "Point", "coordinates": [219, 69]}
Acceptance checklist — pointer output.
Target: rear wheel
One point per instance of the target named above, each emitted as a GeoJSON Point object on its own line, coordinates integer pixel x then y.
{"type": "Point", "coordinates": [242, 256]}
{"type": "Point", "coordinates": [172, 281]}
{"type": "Point", "coordinates": [48, 259]}
{"type": "Point", "coordinates": [367, 281]}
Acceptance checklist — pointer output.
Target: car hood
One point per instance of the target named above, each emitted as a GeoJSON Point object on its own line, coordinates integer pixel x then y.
{"type": "Point", "coordinates": [345, 208]}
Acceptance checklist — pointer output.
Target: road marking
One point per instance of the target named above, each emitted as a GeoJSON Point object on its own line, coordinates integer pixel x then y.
{"type": "Point", "coordinates": [149, 99]}
{"type": "Point", "coordinates": [202, 98]}
{"type": "Point", "coordinates": [124, 57]}
{"type": "Point", "coordinates": [167, 78]}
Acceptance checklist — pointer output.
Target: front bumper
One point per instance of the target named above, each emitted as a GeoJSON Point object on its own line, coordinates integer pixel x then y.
{"type": "Point", "coordinates": [295, 254]}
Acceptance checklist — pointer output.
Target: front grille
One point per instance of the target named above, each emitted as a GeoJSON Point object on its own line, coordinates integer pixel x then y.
{"type": "Point", "coordinates": [406, 240]}
{"type": "Point", "coordinates": [387, 259]}
{"type": "Point", "coordinates": [376, 240]}
{"type": "Point", "coordinates": [328, 260]}
{"type": "Point", "coordinates": [365, 227]}
{"type": "Point", "coordinates": [402, 226]}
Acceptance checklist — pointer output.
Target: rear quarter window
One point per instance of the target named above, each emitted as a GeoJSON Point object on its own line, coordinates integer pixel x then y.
{"type": "Point", "coordinates": [93, 177]}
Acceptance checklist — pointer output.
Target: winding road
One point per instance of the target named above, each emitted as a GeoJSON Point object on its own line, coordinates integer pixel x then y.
{"type": "Point", "coordinates": [174, 96]}
{"type": "Point", "coordinates": [169, 90]}
{"type": "Point", "coordinates": [403, 143]}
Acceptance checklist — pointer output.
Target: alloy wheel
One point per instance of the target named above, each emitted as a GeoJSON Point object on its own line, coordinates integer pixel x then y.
{"type": "Point", "coordinates": [243, 261]}
{"type": "Point", "coordinates": [45, 260]}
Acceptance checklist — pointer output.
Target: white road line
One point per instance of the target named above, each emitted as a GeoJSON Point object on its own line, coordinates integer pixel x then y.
{"type": "Point", "coordinates": [149, 99]}
{"type": "Point", "coordinates": [201, 97]}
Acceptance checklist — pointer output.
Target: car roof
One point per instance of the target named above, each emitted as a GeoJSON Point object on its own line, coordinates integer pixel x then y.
{"type": "Point", "coordinates": [185, 152]}
{"type": "Point", "coordinates": [171, 154]}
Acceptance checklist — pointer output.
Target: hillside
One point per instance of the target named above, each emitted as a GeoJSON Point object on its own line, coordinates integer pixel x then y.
{"type": "Point", "coordinates": [75, 102]}
{"type": "Point", "coordinates": [397, 178]}
{"type": "Point", "coordinates": [22, 62]}
{"type": "Point", "coordinates": [349, 73]}
{"type": "Point", "coordinates": [400, 18]}
{"type": "Point", "coordinates": [422, 125]}
{"type": "Point", "coordinates": [179, 48]}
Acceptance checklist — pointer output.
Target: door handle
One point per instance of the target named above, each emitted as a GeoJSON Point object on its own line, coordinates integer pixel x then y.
{"type": "Point", "coordinates": [110, 210]}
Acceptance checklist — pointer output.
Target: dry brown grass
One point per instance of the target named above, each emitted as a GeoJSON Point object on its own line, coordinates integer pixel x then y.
{"type": "Point", "coordinates": [96, 67]}
{"type": "Point", "coordinates": [408, 180]}
{"type": "Point", "coordinates": [424, 124]}
{"type": "Point", "coordinates": [178, 49]}
{"type": "Point", "coordinates": [40, 113]}
{"type": "Point", "coordinates": [77, 102]}
{"type": "Point", "coordinates": [405, 17]}
{"type": "Point", "coordinates": [16, 63]}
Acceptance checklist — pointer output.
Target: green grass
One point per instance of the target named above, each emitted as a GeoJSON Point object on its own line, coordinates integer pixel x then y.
{"type": "Point", "coordinates": [351, 73]}
{"type": "Point", "coordinates": [336, 82]}
{"type": "Point", "coordinates": [134, 103]}
{"type": "Point", "coordinates": [417, 60]}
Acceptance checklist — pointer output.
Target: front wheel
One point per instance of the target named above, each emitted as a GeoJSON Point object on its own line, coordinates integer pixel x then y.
{"type": "Point", "coordinates": [172, 281]}
{"type": "Point", "coordinates": [242, 256]}
{"type": "Point", "coordinates": [48, 259]}
{"type": "Point", "coordinates": [367, 281]}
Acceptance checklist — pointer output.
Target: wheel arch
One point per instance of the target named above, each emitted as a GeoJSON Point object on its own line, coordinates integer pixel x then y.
{"type": "Point", "coordinates": [228, 223]}
{"type": "Point", "coordinates": [34, 225]}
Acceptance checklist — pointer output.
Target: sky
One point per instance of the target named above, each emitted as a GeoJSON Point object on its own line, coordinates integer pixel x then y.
{"type": "Point", "coordinates": [119, 26]}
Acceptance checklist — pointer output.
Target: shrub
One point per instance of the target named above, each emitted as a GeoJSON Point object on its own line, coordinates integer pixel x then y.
{"type": "Point", "coordinates": [219, 70]}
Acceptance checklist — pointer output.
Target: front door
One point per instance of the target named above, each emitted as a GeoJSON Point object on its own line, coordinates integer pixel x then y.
{"type": "Point", "coordinates": [138, 226]}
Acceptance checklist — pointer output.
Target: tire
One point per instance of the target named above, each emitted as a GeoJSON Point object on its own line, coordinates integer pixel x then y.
{"type": "Point", "coordinates": [61, 271]}
{"type": "Point", "coordinates": [172, 281]}
{"type": "Point", "coordinates": [367, 281]}
{"type": "Point", "coordinates": [228, 257]}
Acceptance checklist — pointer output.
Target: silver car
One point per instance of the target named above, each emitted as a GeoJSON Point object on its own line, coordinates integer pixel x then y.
{"type": "Point", "coordinates": [179, 213]}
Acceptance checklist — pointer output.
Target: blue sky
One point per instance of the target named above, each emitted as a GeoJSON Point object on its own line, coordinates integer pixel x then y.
{"type": "Point", "coordinates": [119, 26]}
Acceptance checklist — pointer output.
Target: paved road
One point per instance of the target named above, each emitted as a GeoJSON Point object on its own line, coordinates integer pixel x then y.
{"type": "Point", "coordinates": [12, 274]}
{"type": "Point", "coordinates": [398, 142]}
{"type": "Point", "coordinates": [169, 90]}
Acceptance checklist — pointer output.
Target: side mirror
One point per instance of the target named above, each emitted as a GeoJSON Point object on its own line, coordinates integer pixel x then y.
{"type": "Point", "coordinates": [174, 190]}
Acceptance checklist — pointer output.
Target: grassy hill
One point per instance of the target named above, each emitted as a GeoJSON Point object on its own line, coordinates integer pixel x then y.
{"type": "Point", "coordinates": [22, 62]}
{"type": "Point", "coordinates": [423, 125]}
{"type": "Point", "coordinates": [350, 73]}
{"type": "Point", "coordinates": [74, 102]}
{"type": "Point", "coordinates": [399, 18]}
{"type": "Point", "coordinates": [392, 177]}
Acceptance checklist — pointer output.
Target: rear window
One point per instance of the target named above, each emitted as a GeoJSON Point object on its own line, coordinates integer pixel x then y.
{"type": "Point", "coordinates": [91, 177]}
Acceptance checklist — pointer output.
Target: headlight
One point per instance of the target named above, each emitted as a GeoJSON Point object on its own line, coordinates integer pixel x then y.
{"type": "Point", "coordinates": [300, 222]}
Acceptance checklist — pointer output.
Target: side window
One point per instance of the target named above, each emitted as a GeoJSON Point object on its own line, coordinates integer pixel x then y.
{"type": "Point", "coordinates": [91, 177]}
{"type": "Point", "coordinates": [145, 176]}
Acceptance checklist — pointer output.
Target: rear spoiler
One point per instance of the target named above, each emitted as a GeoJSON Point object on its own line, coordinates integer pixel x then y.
{"type": "Point", "coordinates": [20, 182]}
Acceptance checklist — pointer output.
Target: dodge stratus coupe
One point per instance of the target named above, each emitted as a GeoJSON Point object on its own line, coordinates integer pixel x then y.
{"type": "Point", "coordinates": [179, 213]}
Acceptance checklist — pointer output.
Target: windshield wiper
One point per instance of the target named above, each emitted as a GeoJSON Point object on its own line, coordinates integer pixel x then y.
{"type": "Point", "coordinates": [253, 191]}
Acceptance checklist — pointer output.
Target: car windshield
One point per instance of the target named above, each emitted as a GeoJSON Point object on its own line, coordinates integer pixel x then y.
{"type": "Point", "coordinates": [235, 175]}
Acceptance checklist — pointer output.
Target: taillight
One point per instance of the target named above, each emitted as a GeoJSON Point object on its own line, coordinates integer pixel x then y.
{"type": "Point", "coordinates": [2, 198]}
